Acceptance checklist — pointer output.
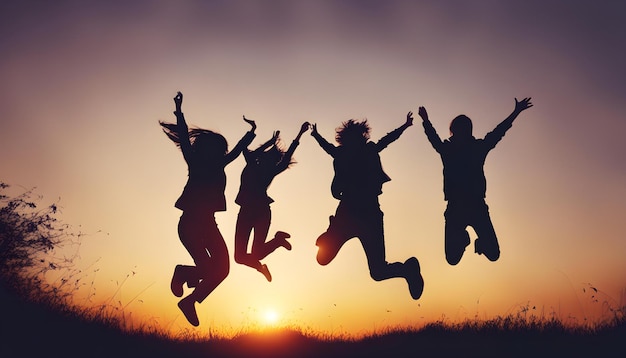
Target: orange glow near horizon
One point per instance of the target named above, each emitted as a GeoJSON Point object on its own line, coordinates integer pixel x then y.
{"type": "Point", "coordinates": [83, 90]}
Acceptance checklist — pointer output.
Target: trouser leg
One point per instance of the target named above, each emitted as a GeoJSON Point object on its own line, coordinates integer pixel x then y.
{"type": "Point", "coordinates": [337, 234]}
{"type": "Point", "coordinates": [456, 235]}
{"type": "Point", "coordinates": [205, 244]}
{"type": "Point", "coordinates": [372, 239]}
{"type": "Point", "coordinates": [487, 242]}
{"type": "Point", "coordinates": [243, 229]}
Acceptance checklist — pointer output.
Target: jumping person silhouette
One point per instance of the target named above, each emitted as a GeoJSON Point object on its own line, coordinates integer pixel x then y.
{"type": "Point", "coordinates": [206, 154]}
{"type": "Point", "coordinates": [262, 166]}
{"type": "Point", "coordinates": [464, 183]}
{"type": "Point", "coordinates": [357, 183]}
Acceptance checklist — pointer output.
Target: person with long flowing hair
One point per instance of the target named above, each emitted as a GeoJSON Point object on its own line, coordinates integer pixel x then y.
{"type": "Point", "coordinates": [206, 154]}
{"type": "Point", "coordinates": [262, 166]}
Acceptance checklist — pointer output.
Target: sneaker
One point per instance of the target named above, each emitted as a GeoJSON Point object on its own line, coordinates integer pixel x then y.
{"type": "Point", "coordinates": [177, 283]}
{"type": "Point", "coordinates": [266, 272]}
{"type": "Point", "coordinates": [414, 277]}
{"type": "Point", "coordinates": [491, 251]}
{"type": "Point", "coordinates": [188, 306]}
{"type": "Point", "coordinates": [282, 236]}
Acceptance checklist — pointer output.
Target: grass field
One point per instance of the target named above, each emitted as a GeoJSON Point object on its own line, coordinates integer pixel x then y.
{"type": "Point", "coordinates": [30, 329]}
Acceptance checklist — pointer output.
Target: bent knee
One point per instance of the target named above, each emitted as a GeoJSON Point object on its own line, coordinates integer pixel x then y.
{"type": "Point", "coordinates": [379, 273]}
{"type": "Point", "coordinates": [240, 258]}
{"type": "Point", "coordinates": [453, 260]}
{"type": "Point", "coordinates": [322, 259]}
{"type": "Point", "coordinates": [494, 256]}
{"type": "Point", "coordinates": [223, 271]}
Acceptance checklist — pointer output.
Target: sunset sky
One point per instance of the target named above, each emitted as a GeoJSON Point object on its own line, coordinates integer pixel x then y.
{"type": "Point", "coordinates": [84, 84]}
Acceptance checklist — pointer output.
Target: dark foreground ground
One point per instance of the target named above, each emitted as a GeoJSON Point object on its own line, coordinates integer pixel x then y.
{"type": "Point", "coordinates": [31, 330]}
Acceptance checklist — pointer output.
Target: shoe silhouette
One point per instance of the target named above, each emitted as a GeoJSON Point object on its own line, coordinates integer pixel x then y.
{"type": "Point", "coordinates": [491, 250]}
{"type": "Point", "coordinates": [413, 277]}
{"type": "Point", "coordinates": [188, 306]}
{"type": "Point", "coordinates": [281, 238]}
{"type": "Point", "coordinates": [266, 272]}
{"type": "Point", "coordinates": [177, 282]}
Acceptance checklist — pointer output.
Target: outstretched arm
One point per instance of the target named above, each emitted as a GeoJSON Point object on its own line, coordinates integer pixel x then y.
{"type": "Point", "coordinates": [395, 134]}
{"type": "Point", "coordinates": [284, 162]}
{"type": "Point", "coordinates": [493, 137]}
{"type": "Point", "coordinates": [430, 131]}
{"type": "Point", "coordinates": [519, 107]}
{"type": "Point", "coordinates": [303, 128]}
{"type": "Point", "coordinates": [242, 144]}
{"type": "Point", "coordinates": [328, 148]}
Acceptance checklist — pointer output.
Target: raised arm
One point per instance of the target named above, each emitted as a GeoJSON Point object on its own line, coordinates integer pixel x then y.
{"type": "Point", "coordinates": [328, 148]}
{"type": "Point", "coordinates": [430, 131]}
{"type": "Point", "coordinates": [519, 107]}
{"type": "Point", "coordinates": [253, 154]}
{"type": "Point", "coordinates": [182, 128]}
{"type": "Point", "coordinates": [286, 160]}
{"type": "Point", "coordinates": [242, 144]}
{"type": "Point", "coordinates": [269, 142]}
{"type": "Point", "coordinates": [395, 134]}
{"type": "Point", "coordinates": [493, 137]}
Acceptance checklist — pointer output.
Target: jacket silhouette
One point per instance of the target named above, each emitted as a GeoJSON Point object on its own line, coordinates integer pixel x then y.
{"type": "Point", "coordinates": [357, 183]}
{"type": "Point", "coordinates": [464, 183]}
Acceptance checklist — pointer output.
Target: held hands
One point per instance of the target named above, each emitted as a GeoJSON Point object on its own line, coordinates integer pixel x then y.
{"type": "Point", "coordinates": [305, 126]}
{"type": "Point", "coordinates": [250, 122]}
{"type": "Point", "coordinates": [422, 112]}
{"type": "Point", "coordinates": [523, 104]}
{"type": "Point", "coordinates": [409, 119]}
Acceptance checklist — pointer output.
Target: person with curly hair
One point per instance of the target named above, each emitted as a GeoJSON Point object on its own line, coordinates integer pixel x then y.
{"type": "Point", "coordinates": [357, 183]}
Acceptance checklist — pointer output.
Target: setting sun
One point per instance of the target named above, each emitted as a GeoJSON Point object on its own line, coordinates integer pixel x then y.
{"type": "Point", "coordinates": [270, 317]}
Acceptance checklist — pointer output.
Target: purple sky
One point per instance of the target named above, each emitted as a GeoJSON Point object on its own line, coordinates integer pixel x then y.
{"type": "Point", "coordinates": [84, 84]}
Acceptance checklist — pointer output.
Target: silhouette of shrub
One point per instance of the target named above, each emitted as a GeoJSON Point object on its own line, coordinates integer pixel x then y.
{"type": "Point", "coordinates": [30, 238]}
